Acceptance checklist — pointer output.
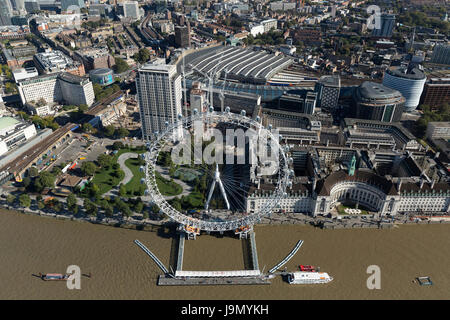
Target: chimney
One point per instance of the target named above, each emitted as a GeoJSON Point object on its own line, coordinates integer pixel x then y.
{"type": "Point", "coordinates": [399, 185]}
{"type": "Point", "coordinates": [422, 181]}
{"type": "Point", "coordinates": [314, 183]}
{"type": "Point", "coordinates": [432, 183]}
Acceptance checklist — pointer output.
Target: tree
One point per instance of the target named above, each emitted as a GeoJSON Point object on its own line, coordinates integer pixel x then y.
{"type": "Point", "coordinates": [44, 180]}
{"type": "Point", "coordinates": [26, 182]}
{"type": "Point", "coordinates": [82, 108]}
{"type": "Point", "coordinates": [33, 172]}
{"type": "Point", "coordinates": [139, 207]}
{"type": "Point", "coordinates": [120, 66]}
{"type": "Point", "coordinates": [104, 160]}
{"type": "Point", "coordinates": [87, 127]}
{"type": "Point", "coordinates": [56, 171]}
{"type": "Point", "coordinates": [94, 190]}
{"type": "Point", "coordinates": [109, 210]}
{"type": "Point", "coordinates": [57, 205]}
{"type": "Point", "coordinates": [88, 168]}
{"type": "Point", "coordinates": [24, 200]}
{"type": "Point", "coordinates": [10, 199]}
{"type": "Point", "coordinates": [90, 207]}
{"type": "Point", "coordinates": [117, 145]}
{"type": "Point", "coordinates": [122, 190]}
{"type": "Point", "coordinates": [122, 132]}
{"type": "Point", "coordinates": [142, 56]}
{"type": "Point", "coordinates": [10, 87]}
{"type": "Point", "coordinates": [71, 201]}
{"type": "Point", "coordinates": [40, 205]}
{"type": "Point", "coordinates": [109, 131]}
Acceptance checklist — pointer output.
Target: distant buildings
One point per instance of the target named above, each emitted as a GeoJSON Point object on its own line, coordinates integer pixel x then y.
{"type": "Point", "coordinates": [441, 54]}
{"type": "Point", "coordinates": [410, 83]}
{"type": "Point", "coordinates": [305, 103]}
{"type": "Point", "coordinates": [32, 6]}
{"type": "Point", "coordinates": [436, 91]}
{"type": "Point", "coordinates": [182, 36]}
{"type": "Point", "coordinates": [438, 130]}
{"type": "Point", "coordinates": [57, 88]}
{"type": "Point", "coordinates": [131, 10]}
{"type": "Point", "coordinates": [56, 61]}
{"type": "Point", "coordinates": [159, 96]}
{"type": "Point", "coordinates": [374, 101]}
{"type": "Point", "coordinates": [386, 28]}
{"type": "Point", "coordinates": [5, 13]}
{"type": "Point", "coordinates": [256, 29]}
{"type": "Point", "coordinates": [13, 132]}
{"type": "Point", "coordinates": [102, 76]}
{"type": "Point", "coordinates": [269, 24]}
{"type": "Point", "coordinates": [377, 135]}
{"type": "Point", "coordinates": [328, 89]}
{"type": "Point", "coordinates": [282, 6]}
{"type": "Point", "coordinates": [71, 4]}
{"type": "Point", "coordinates": [94, 58]}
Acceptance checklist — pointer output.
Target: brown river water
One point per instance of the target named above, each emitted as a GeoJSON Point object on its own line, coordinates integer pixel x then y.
{"type": "Point", "coordinates": [121, 270]}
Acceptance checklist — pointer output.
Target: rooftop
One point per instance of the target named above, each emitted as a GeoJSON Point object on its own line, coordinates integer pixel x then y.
{"type": "Point", "coordinates": [414, 74]}
{"type": "Point", "coordinates": [374, 91]}
{"type": "Point", "coordinates": [6, 122]}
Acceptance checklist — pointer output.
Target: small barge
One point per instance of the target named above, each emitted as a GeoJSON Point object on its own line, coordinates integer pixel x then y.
{"type": "Point", "coordinates": [54, 276]}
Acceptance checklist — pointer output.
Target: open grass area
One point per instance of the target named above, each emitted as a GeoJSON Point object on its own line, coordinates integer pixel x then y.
{"type": "Point", "coordinates": [166, 187]}
{"type": "Point", "coordinates": [105, 179]}
{"type": "Point", "coordinates": [134, 186]}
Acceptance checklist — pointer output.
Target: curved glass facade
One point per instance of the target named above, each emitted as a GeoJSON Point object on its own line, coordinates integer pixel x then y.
{"type": "Point", "coordinates": [411, 89]}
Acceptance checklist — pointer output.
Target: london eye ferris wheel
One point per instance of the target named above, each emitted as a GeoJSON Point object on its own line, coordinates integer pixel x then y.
{"type": "Point", "coordinates": [220, 159]}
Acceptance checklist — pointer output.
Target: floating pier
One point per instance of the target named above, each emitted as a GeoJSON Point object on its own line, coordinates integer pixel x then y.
{"type": "Point", "coordinates": [168, 281]}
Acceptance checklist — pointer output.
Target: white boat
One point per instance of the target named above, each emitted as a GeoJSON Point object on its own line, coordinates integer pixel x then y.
{"type": "Point", "coordinates": [303, 277]}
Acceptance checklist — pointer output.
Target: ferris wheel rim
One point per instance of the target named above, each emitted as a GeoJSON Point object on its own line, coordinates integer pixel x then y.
{"type": "Point", "coordinates": [155, 147]}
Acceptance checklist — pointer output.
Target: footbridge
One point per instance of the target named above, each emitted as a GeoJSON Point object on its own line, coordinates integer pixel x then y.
{"type": "Point", "coordinates": [157, 261]}
{"type": "Point", "coordinates": [288, 257]}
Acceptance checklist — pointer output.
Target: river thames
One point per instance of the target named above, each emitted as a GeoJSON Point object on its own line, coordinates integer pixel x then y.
{"type": "Point", "coordinates": [121, 270]}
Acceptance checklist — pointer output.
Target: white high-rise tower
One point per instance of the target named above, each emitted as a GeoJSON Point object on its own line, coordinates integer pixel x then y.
{"type": "Point", "coordinates": [159, 96]}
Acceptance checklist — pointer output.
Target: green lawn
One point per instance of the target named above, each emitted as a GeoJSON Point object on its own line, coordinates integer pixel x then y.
{"type": "Point", "coordinates": [166, 187]}
{"type": "Point", "coordinates": [104, 179]}
{"type": "Point", "coordinates": [134, 186]}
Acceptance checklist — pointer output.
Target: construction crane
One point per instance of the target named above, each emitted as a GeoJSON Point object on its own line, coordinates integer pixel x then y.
{"type": "Point", "coordinates": [209, 96]}
{"type": "Point", "coordinates": [413, 35]}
